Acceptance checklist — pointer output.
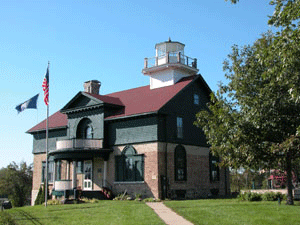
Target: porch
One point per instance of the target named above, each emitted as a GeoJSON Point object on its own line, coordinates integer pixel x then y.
{"type": "Point", "coordinates": [79, 166]}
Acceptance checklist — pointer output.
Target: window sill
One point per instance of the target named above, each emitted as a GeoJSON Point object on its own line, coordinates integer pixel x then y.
{"type": "Point", "coordinates": [180, 181]}
{"type": "Point", "coordinates": [129, 182]}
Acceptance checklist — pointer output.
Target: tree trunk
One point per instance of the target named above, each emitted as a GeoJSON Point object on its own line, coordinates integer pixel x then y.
{"type": "Point", "coordinates": [289, 200]}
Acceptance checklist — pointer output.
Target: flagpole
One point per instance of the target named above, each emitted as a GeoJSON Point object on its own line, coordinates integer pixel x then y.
{"type": "Point", "coordinates": [47, 134]}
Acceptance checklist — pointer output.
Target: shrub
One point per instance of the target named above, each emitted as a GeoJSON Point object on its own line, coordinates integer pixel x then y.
{"type": "Point", "coordinates": [151, 200]}
{"type": "Point", "coordinates": [40, 199]}
{"type": "Point", "coordinates": [254, 197]}
{"type": "Point", "coordinates": [122, 197]}
{"type": "Point", "coordinates": [269, 196]}
{"type": "Point", "coordinates": [250, 196]}
{"type": "Point", "coordinates": [272, 196]}
{"type": "Point", "coordinates": [54, 202]}
{"type": "Point", "coordinates": [87, 200]}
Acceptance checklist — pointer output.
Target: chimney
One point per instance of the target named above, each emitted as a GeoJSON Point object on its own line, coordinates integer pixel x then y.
{"type": "Point", "coordinates": [92, 86]}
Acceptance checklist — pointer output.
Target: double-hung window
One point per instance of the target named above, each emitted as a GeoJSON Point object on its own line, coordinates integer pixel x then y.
{"type": "Point", "coordinates": [214, 168]}
{"type": "Point", "coordinates": [180, 163]}
{"type": "Point", "coordinates": [50, 171]}
{"type": "Point", "coordinates": [179, 127]}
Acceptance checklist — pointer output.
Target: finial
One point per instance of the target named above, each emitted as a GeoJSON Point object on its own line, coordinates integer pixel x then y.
{"type": "Point", "coordinates": [169, 39]}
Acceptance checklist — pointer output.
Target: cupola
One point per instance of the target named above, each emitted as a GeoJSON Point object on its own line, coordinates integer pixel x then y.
{"type": "Point", "coordinates": [169, 64]}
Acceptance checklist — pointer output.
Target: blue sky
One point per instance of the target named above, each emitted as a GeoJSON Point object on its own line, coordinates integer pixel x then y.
{"type": "Point", "coordinates": [107, 41]}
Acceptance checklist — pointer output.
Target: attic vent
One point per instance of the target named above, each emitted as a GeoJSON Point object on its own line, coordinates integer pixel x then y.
{"type": "Point", "coordinates": [92, 86]}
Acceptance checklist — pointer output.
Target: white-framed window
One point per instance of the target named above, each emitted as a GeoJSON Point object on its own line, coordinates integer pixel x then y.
{"type": "Point", "coordinates": [50, 171]}
{"type": "Point", "coordinates": [179, 127]}
{"type": "Point", "coordinates": [196, 99]}
{"type": "Point", "coordinates": [214, 168]}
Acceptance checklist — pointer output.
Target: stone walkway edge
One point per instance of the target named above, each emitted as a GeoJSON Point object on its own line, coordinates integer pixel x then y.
{"type": "Point", "coordinates": [167, 215]}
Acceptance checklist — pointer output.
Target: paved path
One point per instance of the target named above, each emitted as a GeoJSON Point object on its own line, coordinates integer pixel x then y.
{"type": "Point", "coordinates": [167, 215]}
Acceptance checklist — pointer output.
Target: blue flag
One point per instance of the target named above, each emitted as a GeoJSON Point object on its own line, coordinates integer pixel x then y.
{"type": "Point", "coordinates": [29, 104]}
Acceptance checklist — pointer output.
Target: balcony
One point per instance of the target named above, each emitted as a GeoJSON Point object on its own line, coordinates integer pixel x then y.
{"type": "Point", "coordinates": [170, 58]}
{"type": "Point", "coordinates": [61, 185]}
{"type": "Point", "coordinates": [79, 144]}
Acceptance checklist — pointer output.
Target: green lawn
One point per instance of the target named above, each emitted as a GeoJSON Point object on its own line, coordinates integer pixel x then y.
{"type": "Point", "coordinates": [105, 212]}
{"type": "Point", "coordinates": [232, 211]}
{"type": "Point", "coordinates": [221, 212]}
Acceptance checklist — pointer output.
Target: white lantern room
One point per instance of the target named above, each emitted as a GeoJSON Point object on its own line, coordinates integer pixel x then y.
{"type": "Point", "coordinates": [169, 64]}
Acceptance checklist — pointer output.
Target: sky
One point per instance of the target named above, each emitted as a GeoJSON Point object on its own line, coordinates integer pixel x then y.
{"type": "Point", "coordinates": [106, 41]}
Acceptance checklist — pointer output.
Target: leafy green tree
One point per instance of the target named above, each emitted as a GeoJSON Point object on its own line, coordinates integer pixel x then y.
{"type": "Point", "coordinates": [253, 121]}
{"type": "Point", "coordinates": [16, 182]}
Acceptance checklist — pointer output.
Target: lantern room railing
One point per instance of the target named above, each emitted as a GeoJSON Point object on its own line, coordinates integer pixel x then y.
{"type": "Point", "coordinates": [170, 58]}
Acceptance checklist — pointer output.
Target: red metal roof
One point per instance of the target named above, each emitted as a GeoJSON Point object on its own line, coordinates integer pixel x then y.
{"type": "Point", "coordinates": [56, 120]}
{"type": "Point", "coordinates": [144, 100]}
{"type": "Point", "coordinates": [136, 101]}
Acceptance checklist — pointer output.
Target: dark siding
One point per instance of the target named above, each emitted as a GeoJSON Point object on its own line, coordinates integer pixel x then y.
{"type": "Point", "coordinates": [97, 118]}
{"type": "Point", "coordinates": [182, 105]}
{"type": "Point", "coordinates": [39, 140]}
{"type": "Point", "coordinates": [130, 131]}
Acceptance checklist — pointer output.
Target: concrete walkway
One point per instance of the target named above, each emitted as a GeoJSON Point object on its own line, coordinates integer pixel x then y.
{"type": "Point", "coordinates": [167, 215]}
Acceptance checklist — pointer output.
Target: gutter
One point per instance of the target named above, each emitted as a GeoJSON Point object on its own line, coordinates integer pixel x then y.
{"type": "Point", "coordinates": [131, 116]}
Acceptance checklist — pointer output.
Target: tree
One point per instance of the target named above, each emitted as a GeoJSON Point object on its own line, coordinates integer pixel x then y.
{"type": "Point", "coordinates": [16, 181]}
{"type": "Point", "coordinates": [252, 121]}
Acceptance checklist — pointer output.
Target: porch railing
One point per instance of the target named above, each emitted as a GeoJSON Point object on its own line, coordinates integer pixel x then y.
{"type": "Point", "coordinates": [61, 185]}
{"type": "Point", "coordinates": [78, 144]}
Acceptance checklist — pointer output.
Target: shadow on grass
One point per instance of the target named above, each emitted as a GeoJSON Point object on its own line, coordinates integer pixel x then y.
{"type": "Point", "coordinates": [26, 216]}
{"type": "Point", "coordinates": [75, 208]}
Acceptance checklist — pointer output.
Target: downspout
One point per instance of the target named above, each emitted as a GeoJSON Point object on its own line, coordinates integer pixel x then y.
{"type": "Point", "coordinates": [225, 175]}
{"type": "Point", "coordinates": [166, 155]}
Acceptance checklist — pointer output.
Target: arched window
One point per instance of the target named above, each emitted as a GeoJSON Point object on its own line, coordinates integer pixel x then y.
{"type": "Point", "coordinates": [85, 129]}
{"type": "Point", "coordinates": [129, 165]}
{"type": "Point", "coordinates": [180, 163]}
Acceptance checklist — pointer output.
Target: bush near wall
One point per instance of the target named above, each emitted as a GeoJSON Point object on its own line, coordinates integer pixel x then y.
{"type": "Point", "coordinates": [267, 196]}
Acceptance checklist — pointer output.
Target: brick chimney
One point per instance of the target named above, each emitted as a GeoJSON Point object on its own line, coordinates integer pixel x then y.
{"type": "Point", "coordinates": [92, 86]}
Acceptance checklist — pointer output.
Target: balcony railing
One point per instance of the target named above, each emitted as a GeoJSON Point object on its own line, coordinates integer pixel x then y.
{"type": "Point", "coordinates": [79, 144]}
{"type": "Point", "coordinates": [170, 58]}
{"type": "Point", "coordinates": [61, 185]}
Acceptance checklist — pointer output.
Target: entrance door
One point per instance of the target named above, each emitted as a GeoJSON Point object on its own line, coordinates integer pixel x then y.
{"type": "Point", "coordinates": [87, 181]}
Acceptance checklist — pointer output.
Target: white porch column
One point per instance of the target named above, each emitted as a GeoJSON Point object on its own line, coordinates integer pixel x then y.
{"type": "Point", "coordinates": [54, 174]}
{"type": "Point", "coordinates": [104, 173]}
{"type": "Point", "coordinates": [68, 170]}
{"type": "Point", "coordinates": [74, 179]}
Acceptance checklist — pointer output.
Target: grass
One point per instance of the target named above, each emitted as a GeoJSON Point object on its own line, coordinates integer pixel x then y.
{"type": "Point", "coordinates": [233, 211]}
{"type": "Point", "coordinates": [217, 211]}
{"type": "Point", "coordinates": [105, 212]}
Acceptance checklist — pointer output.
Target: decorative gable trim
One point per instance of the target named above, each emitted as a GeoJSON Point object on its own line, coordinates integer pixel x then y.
{"type": "Point", "coordinates": [97, 103]}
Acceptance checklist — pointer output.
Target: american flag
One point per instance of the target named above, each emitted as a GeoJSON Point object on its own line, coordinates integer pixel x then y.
{"type": "Point", "coordinates": [45, 86]}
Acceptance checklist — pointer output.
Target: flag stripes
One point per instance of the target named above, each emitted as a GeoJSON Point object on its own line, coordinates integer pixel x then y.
{"type": "Point", "coordinates": [45, 86]}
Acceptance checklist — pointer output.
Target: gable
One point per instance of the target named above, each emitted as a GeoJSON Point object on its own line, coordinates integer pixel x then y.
{"type": "Point", "coordinates": [81, 101]}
